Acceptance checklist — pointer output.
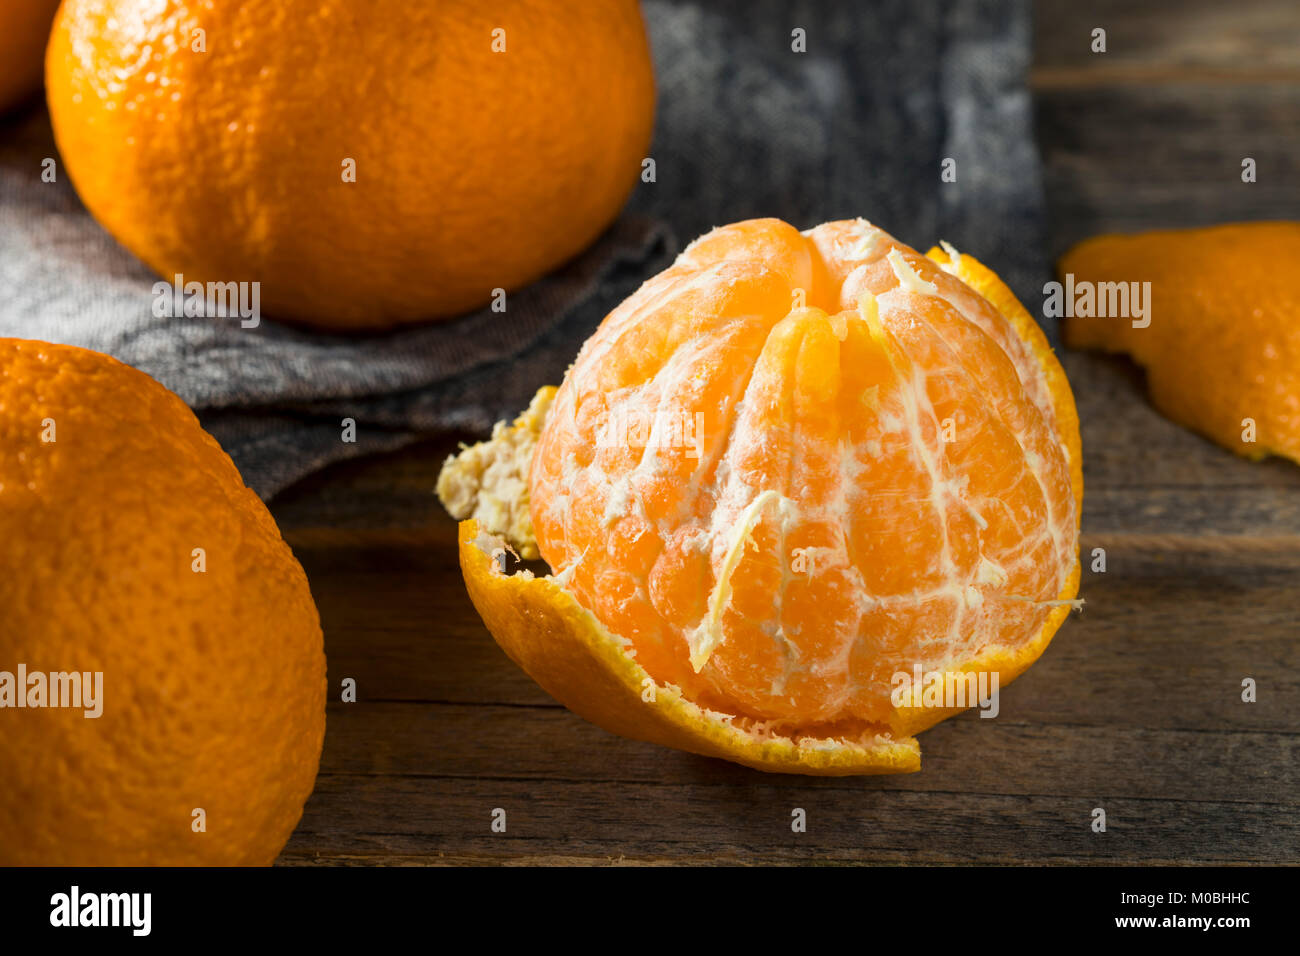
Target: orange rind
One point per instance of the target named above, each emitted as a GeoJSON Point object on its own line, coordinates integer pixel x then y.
{"type": "Point", "coordinates": [1220, 333]}
{"type": "Point", "coordinates": [833, 365]}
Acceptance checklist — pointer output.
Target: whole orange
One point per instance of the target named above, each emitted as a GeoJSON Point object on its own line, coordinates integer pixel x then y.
{"type": "Point", "coordinates": [24, 28]}
{"type": "Point", "coordinates": [131, 549]}
{"type": "Point", "coordinates": [370, 164]}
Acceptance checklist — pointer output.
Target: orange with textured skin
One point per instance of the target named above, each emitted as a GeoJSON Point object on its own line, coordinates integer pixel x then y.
{"type": "Point", "coordinates": [1223, 343]}
{"type": "Point", "coordinates": [475, 169]}
{"type": "Point", "coordinates": [213, 690]}
{"type": "Point", "coordinates": [787, 469]}
{"type": "Point", "coordinates": [24, 28]}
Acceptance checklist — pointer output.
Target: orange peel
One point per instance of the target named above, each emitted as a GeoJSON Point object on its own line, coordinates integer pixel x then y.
{"type": "Point", "coordinates": [1220, 340]}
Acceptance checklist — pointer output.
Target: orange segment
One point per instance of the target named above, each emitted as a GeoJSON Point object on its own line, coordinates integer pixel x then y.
{"type": "Point", "coordinates": [1223, 341]}
{"type": "Point", "coordinates": [1028, 337]}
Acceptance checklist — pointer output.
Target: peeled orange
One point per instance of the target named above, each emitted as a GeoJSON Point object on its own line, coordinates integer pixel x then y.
{"type": "Point", "coordinates": [786, 471]}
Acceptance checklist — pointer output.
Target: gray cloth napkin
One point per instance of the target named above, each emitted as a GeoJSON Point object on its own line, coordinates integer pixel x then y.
{"type": "Point", "coordinates": [856, 126]}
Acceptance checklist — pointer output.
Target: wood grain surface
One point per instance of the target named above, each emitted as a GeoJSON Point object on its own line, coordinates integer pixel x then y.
{"type": "Point", "coordinates": [1136, 707]}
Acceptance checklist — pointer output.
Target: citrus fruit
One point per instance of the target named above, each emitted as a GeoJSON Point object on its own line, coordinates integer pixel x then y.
{"type": "Point", "coordinates": [130, 548]}
{"type": "Point", "coordinates": [1221, 342]}
{"type": "Point", "coordinates": [24, 28]}
{"type": "Point", "coordinates": [368, 164]}
{"type": "Point", "coordinates": [786, 471]}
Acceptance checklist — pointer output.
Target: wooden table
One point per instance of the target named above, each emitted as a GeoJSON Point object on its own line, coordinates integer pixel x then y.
{"type": "Point", "coordinates": [1135, 708]}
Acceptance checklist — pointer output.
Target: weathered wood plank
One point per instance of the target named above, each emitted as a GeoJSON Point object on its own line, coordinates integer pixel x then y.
{"type": "Point", "coordinates": [1028, 749]}
{"type": "Point", "coordinates": [1165, 41]}
{"type": "Point", "coordinates": [745, 822]}
{"type": "Point", "coordinates": [1126, 159]}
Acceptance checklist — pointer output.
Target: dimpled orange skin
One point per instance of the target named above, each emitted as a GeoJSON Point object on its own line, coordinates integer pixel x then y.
{"type": "Point", "coordinates": [822, 432]}
{"type": "Point", "coordinates": [475, 170]}
{"type": "Point", "coordinates": [213, 683]}
{"type": "Point", "coordinates": [1223, 344]}
{"type": "Point", "coordinates": [24, 28]}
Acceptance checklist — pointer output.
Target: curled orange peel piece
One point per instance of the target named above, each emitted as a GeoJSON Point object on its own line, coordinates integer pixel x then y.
{"type": "Point", "coordinates": [1219, 336]}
